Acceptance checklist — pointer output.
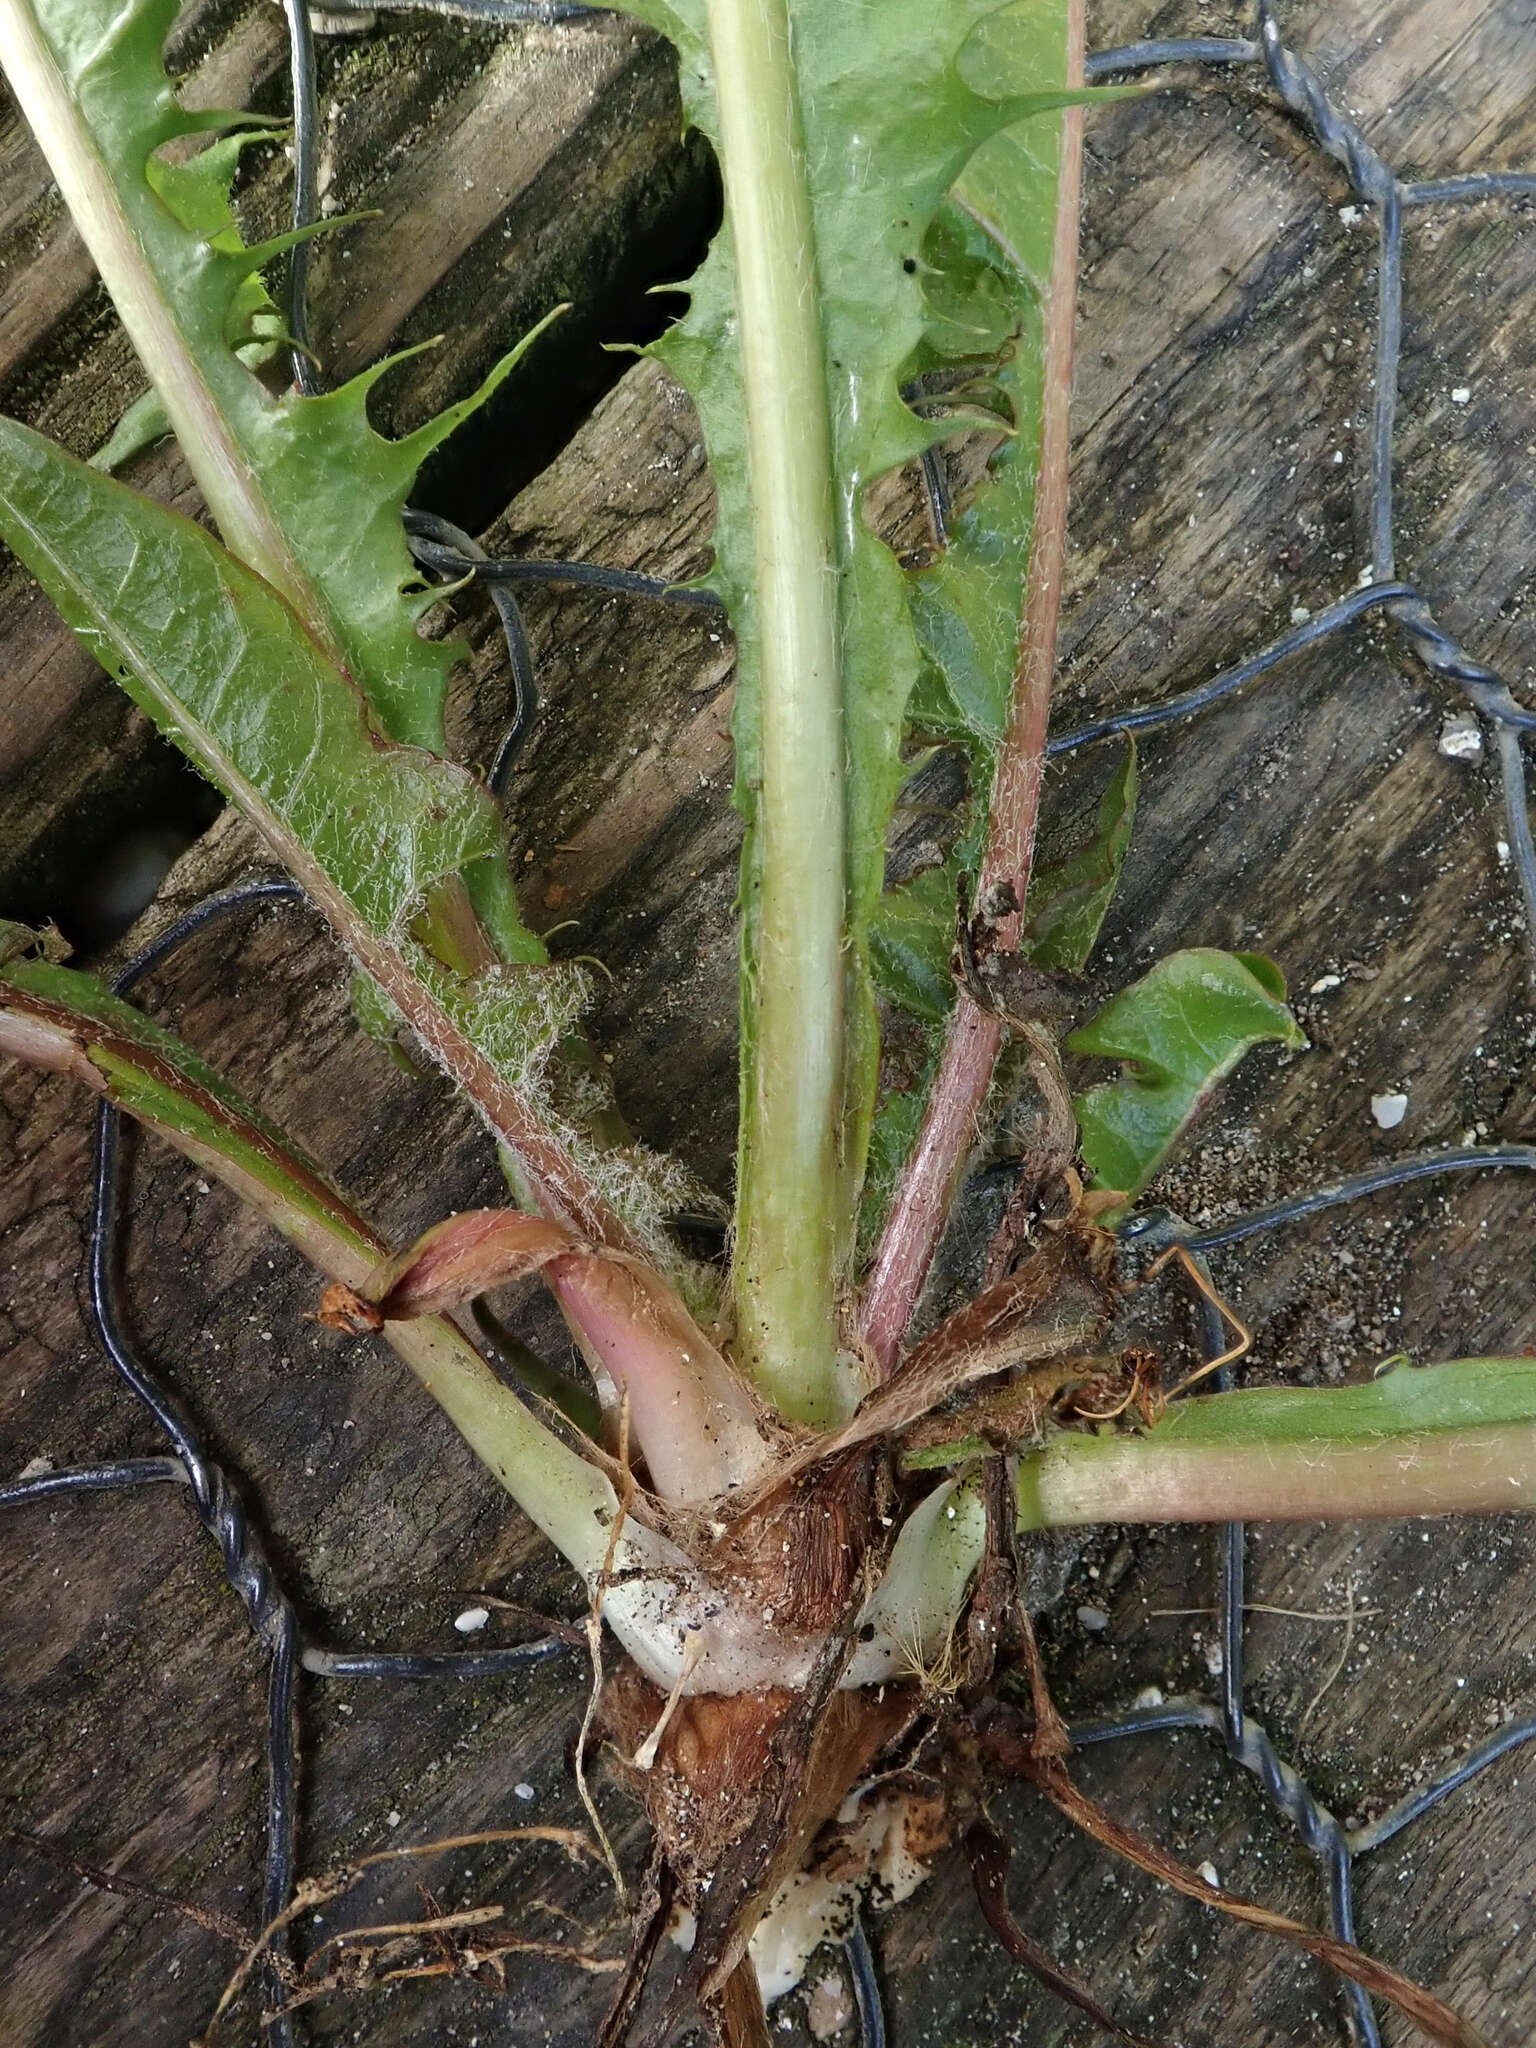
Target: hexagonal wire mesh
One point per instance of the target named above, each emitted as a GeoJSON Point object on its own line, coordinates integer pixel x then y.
{"type": "Point", "coordinates": [445, 550]}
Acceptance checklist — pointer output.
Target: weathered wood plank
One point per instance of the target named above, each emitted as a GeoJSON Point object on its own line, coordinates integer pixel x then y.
{"type": "Point", "coordinates": [1223, 363]}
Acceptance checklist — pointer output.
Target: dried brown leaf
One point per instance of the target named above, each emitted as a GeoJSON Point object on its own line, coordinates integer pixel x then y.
{"type": "Point", "coordinates": [1050, 1307]}
{"type": "Point", "coordinates": [464, 1256]}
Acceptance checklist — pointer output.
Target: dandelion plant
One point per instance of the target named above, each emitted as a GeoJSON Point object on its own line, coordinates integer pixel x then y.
{"type": "Point", "coordinates": [791, 1490]}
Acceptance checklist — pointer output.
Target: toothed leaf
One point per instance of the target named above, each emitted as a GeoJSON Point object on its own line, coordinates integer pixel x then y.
{"type": "Point", "coordinates": [222, 665]}
{"type": "Point", "coordinates": [308, 496]}
{"type": "Point", "coordinates": [1178, 1031]}
{"type": "Point", "coordinates": [143, 424]}
{"type": "Point", "coordinates": [303, 489]}
{"type": "Point", "coordinates": [215, 657]}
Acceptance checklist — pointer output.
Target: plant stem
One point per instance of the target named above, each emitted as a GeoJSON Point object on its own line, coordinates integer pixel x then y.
{"type": "Point", "coordinates": [787, 1221]}
{"type": "Point", "coordinates": [1466, 1471]}
{"type": "Point", "coordinates": [567, 1497]}
{"type": "Point", "coordinates": [950, 1128]}
{"type": "Point", "coordinates": [952, 1119]}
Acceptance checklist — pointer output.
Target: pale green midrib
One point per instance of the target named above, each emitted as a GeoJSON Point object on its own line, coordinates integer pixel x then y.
{"type": "Point", "coordinates": [223, 470]}
{"type": "Point", "coordinates": [786, 1266]}
{"type": "Point", "coordinates": [1466, 1444]}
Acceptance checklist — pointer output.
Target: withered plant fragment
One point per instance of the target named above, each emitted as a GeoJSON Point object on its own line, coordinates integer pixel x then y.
{"type": "Point", "coordinates": [464, 1256]}
{"type": "Point", "coordinates": [702, 1431]}
{"type": "Point", "coordinates": [1055, 1305]}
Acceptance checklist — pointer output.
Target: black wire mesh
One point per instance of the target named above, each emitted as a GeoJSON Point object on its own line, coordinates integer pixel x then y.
{"type": "Point", "coordinates": [215, 1494]}
{"type": "Point", "coordinates": [446, 551]}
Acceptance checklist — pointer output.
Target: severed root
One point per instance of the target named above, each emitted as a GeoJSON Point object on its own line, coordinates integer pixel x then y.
{"type": "Point", "coordinates": [319, 1891]}
{"type": "Point", "coordinates": [1439, 2021]}
{"type": "Point", "coordinates": [1050, 1741]}
{"type": "Point", "coordinates": [989, 1856]}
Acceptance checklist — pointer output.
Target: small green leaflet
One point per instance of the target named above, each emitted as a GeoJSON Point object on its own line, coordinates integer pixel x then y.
{"type": "Point", "coordinates": [1070, 898]}
{"type": "Point", "coordinates": [912, 936]}
{"type": "Point", "coordinates": [197, 193]}
{"type": "Point", "coordinates": [1178, 1030]}
{"type": "Point", "coordinates": [141, 426]}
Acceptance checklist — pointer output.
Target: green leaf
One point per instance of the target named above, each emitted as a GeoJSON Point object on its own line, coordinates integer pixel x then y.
{"type": "Point", "coordinates": [888, 83]}
{"type": "Point", "coordinates": [215, 657]}
{"type": "Point", "coordinates": [828, 301]}
{"type": "Point", "coordinates": [370, 828]}
{"type": "Point", "coordinates": [986, 261]}
{"type": "Point", "coordinates": [1178, 1030]}
{"type": "Point", "coordinates": [197, 193]}
{"type": "Point", "coordinates": [308, 496]}
{"type": "Point", "coordinates": [912, 939]}
{"type": "Point", "coordinates": [1068, 898]}
{"type": "Point", "coordinates": [912, 936]}
{"type": "Point", "coordinates": [143, 424]}
{"type": "Point", "coordinates": [303, 489]}
{"type": "Point", "coordinates": [1467, 1393]}
{"type": "Point", "coordinates": [1265, 972]}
